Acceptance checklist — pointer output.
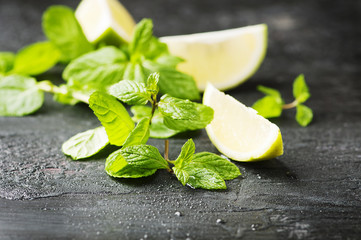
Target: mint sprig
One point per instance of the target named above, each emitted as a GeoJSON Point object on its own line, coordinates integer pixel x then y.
{"type": "Point", "coordinates": [272, 104]}
{"type": "Point", "coordinates": [93, 68]}
{"type": "Point", "coordinates": [137, 159]}
{"type": "Point", "coordinates": [203, 170]}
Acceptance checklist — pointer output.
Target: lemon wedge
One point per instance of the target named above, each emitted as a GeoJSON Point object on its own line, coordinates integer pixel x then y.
{"type": "Point", "coordinates": [238, 131]}
{"type": "Point", "coordinates": [224, 58]}
{"type": "Point", "coordinates": [105, 21]}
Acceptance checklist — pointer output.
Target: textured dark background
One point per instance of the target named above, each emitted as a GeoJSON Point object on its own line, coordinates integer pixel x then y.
{"type": "Point", "coordinates": [313, 191]}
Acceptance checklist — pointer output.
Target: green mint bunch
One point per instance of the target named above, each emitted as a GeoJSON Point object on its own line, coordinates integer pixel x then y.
{"type": "Point", "coordinates": [163, 118]}
{"type": "Point", "coordinates": [144, 54]}
{"type": "Point", "coordinates": [20, 93]}
{"type": "Point", "coordinates": [89, 68]}
{"type": "Point", "coordinates": [272, 104]}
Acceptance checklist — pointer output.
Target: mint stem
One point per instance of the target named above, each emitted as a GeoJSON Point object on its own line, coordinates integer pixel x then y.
{"type": "Point", "coordinates": [47, 86]}
{"type": "Point", "coordinates": [166, 149]}
{"type": "Point", "coordinates": [154, 106]}
{"type": "Point", "coordinates": [290, 105]}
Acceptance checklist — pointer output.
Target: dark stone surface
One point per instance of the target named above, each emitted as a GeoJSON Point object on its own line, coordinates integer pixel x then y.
{"type": "Point", "coordinates": [313, 191]}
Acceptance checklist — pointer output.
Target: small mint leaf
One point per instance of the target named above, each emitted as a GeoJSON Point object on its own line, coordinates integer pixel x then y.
{"type": "Point", "coordinates": [224, 168]}
{"type": "Point", "coordinates": [182, 175]}
{"type": "Point", "coordinates": [152, 83]}
{"type": "Point", "coordinates": [204, 178]}
{"type": "Point", "coordinates": [186, 154]}
{"type": "Point", "coordinates": [269, 91]}
{"type": "Point", "coordinates": [184, 115]}
{"type": "Point", "coordinates": [173, 82]}
{"type": "Point", "coordinates": [19, 95]}
{"type": "Point", "coordinates": [157, 128]}
{"type": "Point", "coordinates": [117, 166]}
{"type": "Point", "coordinates": [300, 89]}
{"type": "Point", "coordinates": [304, 115]}
{"type": "Point", "coordinates": [268, 106]}
{"type": "Point", "coordinates": [113, 116]}
{"type": "Point", "coordinates": [86, 144]}
{"type": "Point", "coordinates": [130, 92]}
{"type": "Point", "coordinates": [139, 135]}
{"type": "Point", "coordinates": [134, 71]}
{"type": "Point", "coordinates": [169, 61]}
{"type": "Point", "coordinates": [36, 58]}
{"type": "Point", "coordinates": [96, 70]}
{"type": "Point", "coordinates": [63, 30]}
{"type": "Point", "coordinates": [144, 156]}
{"type": "Point", "coordinates": [142, 37]}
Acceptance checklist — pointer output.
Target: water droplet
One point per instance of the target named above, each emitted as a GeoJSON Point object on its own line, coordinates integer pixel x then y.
{"type": "Point", "coordinates": [220, 221]}
{"type": "Point", "coordinates": [255, 226]}
{"type": "Point", "coordinates": [178, 214]}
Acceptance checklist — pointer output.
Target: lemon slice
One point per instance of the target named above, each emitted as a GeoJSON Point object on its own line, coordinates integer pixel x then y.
{"type": "Point", "coordinates": [224, 58]}
{"type": "Point", "coordinates": [238, 131]}
{"type": "Point", "coordinates": [105, 21]}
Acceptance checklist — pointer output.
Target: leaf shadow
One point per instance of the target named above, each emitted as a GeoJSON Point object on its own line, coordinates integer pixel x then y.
{"type": "Point", "coordinates": [269, 169]}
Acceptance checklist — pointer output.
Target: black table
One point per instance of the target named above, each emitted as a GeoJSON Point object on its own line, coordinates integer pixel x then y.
{"type": "Point", "coordinates": [311, 192]}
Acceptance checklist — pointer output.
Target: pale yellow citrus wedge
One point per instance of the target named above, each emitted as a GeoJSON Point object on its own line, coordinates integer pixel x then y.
{"type": "Point", "coordinates": [105, 21]}
{"type": "Point", "coordinates": [224, 58]}
{"type": "Point", "coordinates": [238, 131]}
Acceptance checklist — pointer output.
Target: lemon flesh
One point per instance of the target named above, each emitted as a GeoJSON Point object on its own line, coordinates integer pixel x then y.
{"type": "Point", "coordinates": [105, 21]}
{"type": "Point", "coordinates": [238, 131]}
{"type": "Point", "coordinates": [224, 58]}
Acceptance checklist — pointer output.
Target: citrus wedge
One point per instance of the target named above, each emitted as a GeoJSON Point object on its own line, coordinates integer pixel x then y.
{"type": "Point", "coordinates": [224, 58]}
{"type": "Point", "coordinates": [105, 21]}
{"type": "Point", "coordinates": [238, 131]}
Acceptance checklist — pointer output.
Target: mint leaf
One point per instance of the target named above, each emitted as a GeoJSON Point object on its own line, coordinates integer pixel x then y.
{"type": "Point", "coordinates": [140, 112]}
{"type": "Point", "coordinates": [300, 89]}
{"type": "Point", "coordinates": [96, 70]}
{"type": "Point", "coordinates": [186, 154]}
{"type": "Point", "coordinates": [142, 36]}
{"type": "Point", "coordinates": [169, 61]}
{"type": "Point", "coordinates": [181, 174]}
{"type": "Point", "coordinates": [270, 92]}
{"type": "Point", "coordinates": [144, 156]}
{"type": "Point", "coordinates": [63, 30]}
{"type": "Point", "coordinates": [271, 105]}
{"type": "Point", "coordinates": [204, 178]}
{"type": "Point", "coordinates": [117, 166]}
{"type": "Point", "coordinates": [19, 96]}
{"type": "Point", "coordinates": [304, 115]}
{"type": "Point", "coordinates": [6, 61]}
{"type": "Point", "coordinates": [152, 84]}
{"type": "Point", "coordinates": [184, 115]}
{"type": "Point", "coordinates": [156, 49]}
{"type": "Point", "coordinates": [130, 92]}
{"type": "Point", "coordinates": [134, 71]}
{"type": "Point", "coordinates": [268, 107]}
{"type": "Point", "coordinates": [211, 161]}
{"type": "Point", "coordinates": [173, 82]}
{"type": "Point", "coordinates": [113, 116]}
{"type": "Point", "coordinates": [86, 144]}
{"type": "Point", "coordinates": [203, 170]}
{"type": "Point", "coordinates": [157, 128]}
{"type": "Point", "coordinates": [36, 58]}
{"type": "Point", "coordinates": [139, 135]}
